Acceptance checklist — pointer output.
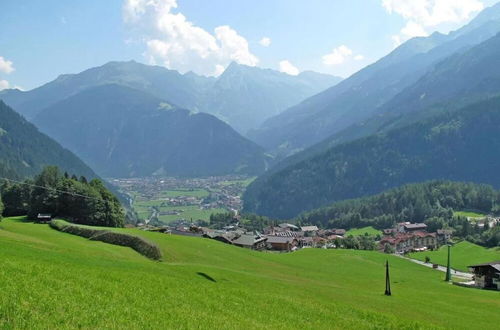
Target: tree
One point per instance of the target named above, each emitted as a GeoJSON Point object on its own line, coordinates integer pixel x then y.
{"type": "Point", "coordinates": [388, 248]}
{"type": "Point", "coordinates": [16, 199]}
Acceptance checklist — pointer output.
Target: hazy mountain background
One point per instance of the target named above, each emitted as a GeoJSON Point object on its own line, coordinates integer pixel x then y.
{"type": "Point", "coordinates": [243, 96]}
{"type": "Point", "coordinates": [122, 132]}
{"type": "Point", "coordinates": [369, 93]}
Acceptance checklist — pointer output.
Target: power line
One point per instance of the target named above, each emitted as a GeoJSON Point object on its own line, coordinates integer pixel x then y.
{"type": "Point", "coordinates": [52, 189]}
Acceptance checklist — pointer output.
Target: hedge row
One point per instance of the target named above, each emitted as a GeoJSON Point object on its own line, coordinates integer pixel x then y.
{"type": "Point", "coordinates": [139, 244]}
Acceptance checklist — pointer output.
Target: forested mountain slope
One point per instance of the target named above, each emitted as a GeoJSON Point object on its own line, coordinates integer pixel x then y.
{"type": "Point", "coordinates": [124, 132]}
{"type": "Point", "coordinates": [24, 151]}
{"type": "Point", "coordinates": [461, 146]}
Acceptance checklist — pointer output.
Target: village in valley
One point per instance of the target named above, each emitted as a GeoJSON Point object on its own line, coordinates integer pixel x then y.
{"type": "Point", "coordinates": [178, 206]}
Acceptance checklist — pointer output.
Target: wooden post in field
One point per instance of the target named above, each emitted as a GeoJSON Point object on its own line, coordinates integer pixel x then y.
{"type": "Point", "coordinates": [387, 280]}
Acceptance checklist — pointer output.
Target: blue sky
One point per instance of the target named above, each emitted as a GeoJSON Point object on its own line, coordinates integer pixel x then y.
{"type": "Point", "coordinates": [41, 39]}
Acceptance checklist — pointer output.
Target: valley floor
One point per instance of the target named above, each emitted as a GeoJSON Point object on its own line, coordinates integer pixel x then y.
{"type": "Point", "coordinates": [51, 279]}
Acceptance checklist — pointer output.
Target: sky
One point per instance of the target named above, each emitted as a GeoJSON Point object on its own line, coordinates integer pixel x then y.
{"type": "Point", "coordinates": [41, 39]}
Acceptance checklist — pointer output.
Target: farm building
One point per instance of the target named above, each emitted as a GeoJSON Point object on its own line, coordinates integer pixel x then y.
{"type": "Point", "coordinates": [43, 217]}
{"type": "Point", "coordinates": [254, 242]}
{"type": "Point", "coordinates": [487, 276]}
{"type": "Point", "coordinates": [281, 243]}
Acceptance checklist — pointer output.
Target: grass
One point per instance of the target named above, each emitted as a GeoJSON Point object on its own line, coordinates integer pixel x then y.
{"type": "Point", "coordinates": [361, 231]}
{"type": "Point", "coordinates": [200, 193]}
{"type": "Point", "coordinates": [189, 212]}
{"type": "Point", "coordinates": [463, 254]}
{"type": "Point", "coordinates": [469, 214]}
{"type": "Point", "coordinates": [143, 208]}
{"type": "Point", "coordinates": [51, 279]}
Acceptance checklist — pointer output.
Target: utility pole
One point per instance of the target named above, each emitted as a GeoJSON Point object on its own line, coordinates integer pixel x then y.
{"type": "Point", "coordinates": [448, 270]}
{"type": "Point", "coordinates": [387, 281]}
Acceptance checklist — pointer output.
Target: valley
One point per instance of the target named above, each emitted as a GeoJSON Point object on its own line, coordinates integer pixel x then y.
{"type": "Point", "coordinates": [183, 164]}
{"type": "Point", "coordinates": [162, 200]}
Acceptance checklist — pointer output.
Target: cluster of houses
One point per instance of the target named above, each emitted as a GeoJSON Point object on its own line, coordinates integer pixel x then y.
{"type": "Point", "coordinates": [406, 237]}
{"type": "Point", "coordinates": [284, 237]}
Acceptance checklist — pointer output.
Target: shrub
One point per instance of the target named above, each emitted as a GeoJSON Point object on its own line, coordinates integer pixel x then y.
{"type": "Point", "coordinates": [139, 244]}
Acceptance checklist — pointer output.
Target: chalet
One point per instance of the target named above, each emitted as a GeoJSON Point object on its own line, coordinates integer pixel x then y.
{"type": "Point", "coordinates": [306, 242]}
{"type": "Point", "coordinates": [407, 227]}
{"type": "Point", "coordinates": [43, 217]}
{"type": "Point", "coordinates": [338, 232]}
{"type": "Point", "coordinates": [251, 241]}
{"type": "Point", "coordinates": [406, 242]}
{"type": "Point", "coordinates": [288, 226]}
{"type": "Point", "coordinates": [309, 229]}
{"type": "Point", "coordinates": [281, 243]}
{"type": "Point", "coordinates": [487, 276]}
{"type": "Point", "coordinates": [444, 235]}
{"type": "Point", "coordinates": [389, 231]}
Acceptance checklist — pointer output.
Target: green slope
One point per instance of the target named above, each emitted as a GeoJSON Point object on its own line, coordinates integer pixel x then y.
{"type": "Point", "coordinates": [463, 254]}
{"type": "Point", "coordinates": [362, 231]}
{"type": "Point", "coordinates": [24, 151]}
{"type": "Point", "coordinates": [52, 279]}
{"type": "Point", "coordinates": [459, 146]}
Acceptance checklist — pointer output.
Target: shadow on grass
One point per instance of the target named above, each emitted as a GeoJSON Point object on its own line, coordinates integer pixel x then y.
{"type": "Point", "coordinates": [207, 277]}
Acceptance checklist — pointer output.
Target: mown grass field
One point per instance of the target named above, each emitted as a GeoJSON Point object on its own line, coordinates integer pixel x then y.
{"type": "Point", "coordinates": [143, 207]}
{"type": "Point", "coordinates": [463, 254]}
{"type": "Point", "coordinates": [189, 212]}
{"type": "Point", "coordinates": [365, 230]}
{"type": "Point", "coordinates": [51, 279]}
{"type": "Point", "coordinates": [200, 193]}
{"type": "Point", "coordinates": [469, 214]}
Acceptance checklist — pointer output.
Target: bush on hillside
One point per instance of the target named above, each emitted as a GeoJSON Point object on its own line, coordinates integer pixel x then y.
{"type": "Point", "coordinates": [142, 246]}
{"type": "Point", "coordinates": [139, 244]}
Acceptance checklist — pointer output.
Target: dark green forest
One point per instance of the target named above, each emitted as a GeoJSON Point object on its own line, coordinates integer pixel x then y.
{"type": "Point", "coordinates": [432, 202]}
{"type": "Point", "coordinates": [63, 196]}
{"type": "Point", "coordinates": [456, 146]}
{"type": "Point", "coordinates": [25, 151]}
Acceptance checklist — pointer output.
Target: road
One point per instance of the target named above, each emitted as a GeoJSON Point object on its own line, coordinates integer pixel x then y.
{"type": "Point", "coordinates": [456, 273]}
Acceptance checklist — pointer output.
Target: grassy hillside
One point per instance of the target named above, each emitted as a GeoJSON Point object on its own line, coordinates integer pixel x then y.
{"type": "Point", "coordinates": [365, 230]}
{"type": "Point", "coordinates": [52, 279]}
{"type": "Point", "coordinates": [463, 254]}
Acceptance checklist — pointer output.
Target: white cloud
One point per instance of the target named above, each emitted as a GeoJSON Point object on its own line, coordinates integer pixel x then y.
{"type": "Point", "coordinates": [289, 68]}
{"type": "Point", "coordinates": [177, 43]}
{"type": "Point", "coordinates": [422, 14]}
{"type": "Point", "coordinates": [6, 66]}
{"type": "Point", "coordinates": [265, 42]}
{"type": "Point", "coordinates": [4, 84]}
{"type": "Point", "coordinates": [339, 55]}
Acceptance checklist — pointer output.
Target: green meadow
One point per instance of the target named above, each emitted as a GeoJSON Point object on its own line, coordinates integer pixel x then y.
{"type": "Point", "coordinates": [362, 231]}
{"type": "Point", "coordinates": [469, 214]}
{"type": "Point", "coordinates": [189, 212]}
{"type": "Point", "coordinates": [51, 279]}
{"type": "Point", "coordinates": [463, 254]}
{"type": "Point", "coordinates": [200, 193]}
{"type": "Point", "coordinates": [143, 207]}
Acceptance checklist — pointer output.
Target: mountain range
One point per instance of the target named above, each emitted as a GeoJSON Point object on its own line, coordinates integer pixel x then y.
{"type": "Point", "coordinates": [121, 132]}
{"type": "Point", "coordinates": [386, 149]}
{"type": "Point", "coordinates": [243, 96]}
{"type": "Point", "coordinates": [353, 107]}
